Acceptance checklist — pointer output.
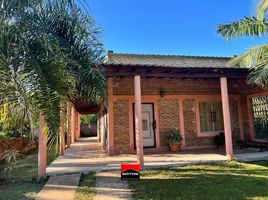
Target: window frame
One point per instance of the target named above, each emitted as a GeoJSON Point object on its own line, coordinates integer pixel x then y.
{"type": "Point", "coordinates": [198, 121]}
{"type": "Point", "coordinates": [252, 131]}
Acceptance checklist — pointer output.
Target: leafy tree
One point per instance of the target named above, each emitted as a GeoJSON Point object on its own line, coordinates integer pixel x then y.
{"type": "Point", "coordinates": [87, 119]}
{"type": "Point", "coordinates": [256, 58]}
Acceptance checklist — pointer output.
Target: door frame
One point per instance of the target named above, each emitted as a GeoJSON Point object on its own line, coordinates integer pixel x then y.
{"type": "Point", "coordinates": [134, 131]}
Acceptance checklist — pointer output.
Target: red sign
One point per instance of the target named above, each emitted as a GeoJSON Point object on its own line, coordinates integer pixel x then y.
{"type": "Point", "coordinates": [130, 171]}
{"type": "Point", "coordinates": [125, 167]}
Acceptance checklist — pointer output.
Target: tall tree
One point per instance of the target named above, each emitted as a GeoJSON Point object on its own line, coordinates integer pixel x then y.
{"type": "Point", "coordinates": [257, 57]}
{"type": "Point", "coordinates": [49, 52]}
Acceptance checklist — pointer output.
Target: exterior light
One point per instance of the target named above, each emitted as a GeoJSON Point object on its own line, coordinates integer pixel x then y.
{"type": "Point", "coordinates": [162, 92]}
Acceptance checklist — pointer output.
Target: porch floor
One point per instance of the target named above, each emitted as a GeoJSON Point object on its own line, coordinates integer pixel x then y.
{"type": "Point", "coordinates": [86, 155]}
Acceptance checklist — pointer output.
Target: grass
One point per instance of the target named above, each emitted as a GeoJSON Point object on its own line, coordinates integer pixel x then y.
{"type": "Point", "coordinates": [22, 183]}
{"type": "Point", "coordinates": [227, 180]}
{"type": "Point", "coordinates": [85, 190]}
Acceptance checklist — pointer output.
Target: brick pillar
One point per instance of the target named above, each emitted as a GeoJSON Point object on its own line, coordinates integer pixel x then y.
{"type": "Point", "coordinates": [73, 125]}
{"type": "Point", "coordinates": [226, 118]}
{"type": "Point", "coordinates": [69, 109]}
{"type": "Point", "coordinates": [42, 147]}
{"type": "Point", "coordinates": [78, 125]}
{"type": "Point", "coordinates": [62, 129]}
{"type": "Point", "coordinates": [110, 117]}
{"type": "Point", "coordinates": [138, 120]}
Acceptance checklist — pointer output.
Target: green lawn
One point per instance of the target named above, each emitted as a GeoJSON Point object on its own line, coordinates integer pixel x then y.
{"type": "Point", "coordinates": [85, 190]}
{"type": "Point", "coordinates": [22, 182]}
{"type": "Point", "coordinates": [228, 180]}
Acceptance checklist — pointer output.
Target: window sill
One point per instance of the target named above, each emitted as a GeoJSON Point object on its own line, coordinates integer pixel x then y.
{"type": "Point", "coordinates": [208, 134]}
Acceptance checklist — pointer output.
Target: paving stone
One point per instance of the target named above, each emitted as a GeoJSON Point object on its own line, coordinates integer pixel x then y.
{"type": "Point", "coordinates": [109, 186]}
{"type": "Point", "coordinates": [60, 188]}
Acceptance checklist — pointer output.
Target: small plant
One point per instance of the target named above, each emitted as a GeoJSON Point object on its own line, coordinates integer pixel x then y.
{"type": "Point", "coordinates": [219, 140]}
{"type": "Point", "coordinates": [11, 159]}
{"type": "Point", "coordinates": [39, 179]}
{"type": "Point", "coordinates": [174, 137]}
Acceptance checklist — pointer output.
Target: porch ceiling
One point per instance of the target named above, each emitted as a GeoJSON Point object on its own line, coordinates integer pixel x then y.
{"type": "Point", "coordinates": [86, 107]}
{"type": "Point", "coordinates": [171, 72]}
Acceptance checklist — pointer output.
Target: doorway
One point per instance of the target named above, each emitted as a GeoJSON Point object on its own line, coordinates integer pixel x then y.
{"type": "Point", "coordinates": [148, 125]}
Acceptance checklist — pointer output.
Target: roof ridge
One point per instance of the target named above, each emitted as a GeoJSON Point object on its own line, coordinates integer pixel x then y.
{"type": "Point", "coordinates": [168, 55]}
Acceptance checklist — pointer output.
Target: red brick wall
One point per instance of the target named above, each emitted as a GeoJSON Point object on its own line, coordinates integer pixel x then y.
{"type": "Point", "coordinates": [168, 110]}
{"type": "Point", "coordinates": [244, 109]}
{"type": "Point", "coordinates": [152, 86]}
{"type": "Point", "coordinates": [190, 123]}
{"type": "Point", "coordinates": [121, 126]}
{"type": "Point", "coordinates": [190, 128]}
{"type": "Point", "coordinates": [234, 119]}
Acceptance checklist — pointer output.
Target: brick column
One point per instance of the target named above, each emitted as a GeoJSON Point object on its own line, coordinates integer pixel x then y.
{"type": "Point", "coordinates": [78, 125]}
{"type": "Point", "coordinates": [73, 125]}
{"type": "Point", "coordinates": [110, 117]}
{"type": "Point", "coordinates": [138, 120]}
{"type": "Point", "coordinates": [69, 109]}
{"type": "Point", "coordinates": [62, 129]}
{"type": "Point", "coordinates": [226, 119]}
{"type": "Point", "coordinates": [42, 147]}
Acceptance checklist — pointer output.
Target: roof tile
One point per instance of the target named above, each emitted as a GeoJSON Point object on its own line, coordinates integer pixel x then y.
{"type": "Point", "coordinates": [178, 61]}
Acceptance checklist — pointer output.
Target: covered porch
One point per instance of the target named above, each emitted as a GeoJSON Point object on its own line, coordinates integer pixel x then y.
{"type": "Point", "coordinates": [176, 86]}
{"type": "Point", "coordinates": [69, 139]}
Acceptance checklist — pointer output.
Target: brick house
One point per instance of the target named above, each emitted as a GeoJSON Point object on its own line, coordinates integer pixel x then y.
{"type": "Point", "coordinates": [150, 95]}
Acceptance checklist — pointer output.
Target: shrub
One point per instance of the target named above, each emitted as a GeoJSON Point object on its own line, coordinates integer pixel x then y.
{"type": "Point", "coordinates": [174, 137]}
{"type": "Point", "coordinates": [219, 140]}
{"type": "Point", "coordinates": [88, 119]}
{"type": "Point", "coordinates": [11, 159]}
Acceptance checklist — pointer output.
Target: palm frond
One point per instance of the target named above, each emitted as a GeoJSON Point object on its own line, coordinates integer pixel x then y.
{"type": "Point", "coordinates": [261, 9]}
{"type": "Point", "coordinates": [251, 58]}
{"type": "Point", "coordinates": [249, 26]}
{"type": "Point", "coordinates": [256, 59]}
{"type": "Point", "coordinates": [259, 76]}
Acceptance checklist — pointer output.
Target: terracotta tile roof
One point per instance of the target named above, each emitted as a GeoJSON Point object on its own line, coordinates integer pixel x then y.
{"type": "Point", "coordinates": [178, 61]}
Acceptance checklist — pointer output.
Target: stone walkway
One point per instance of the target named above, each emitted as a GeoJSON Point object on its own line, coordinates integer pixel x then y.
{"type": "Point", "coordinates": [109, 186]}
{"type": "Point", "coordinates": [254, 156]}
{"type": "Point", "coordinates": [60, 188]}
{"type": "Point", "coordinates": [86, 156]}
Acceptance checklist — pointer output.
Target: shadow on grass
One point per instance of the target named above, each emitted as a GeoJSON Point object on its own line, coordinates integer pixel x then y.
{"type": "Point", "coordinates": [261, 163]}
{"type": "Point", "coordinates": [197, 182]}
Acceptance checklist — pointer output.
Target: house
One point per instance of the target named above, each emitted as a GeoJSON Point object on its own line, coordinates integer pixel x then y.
{"type": "Point", "coordinates": [150, 95]}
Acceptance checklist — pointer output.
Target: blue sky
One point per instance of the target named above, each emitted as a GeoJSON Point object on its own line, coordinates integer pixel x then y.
{"type": "Point", "coordinates": [181, 27]}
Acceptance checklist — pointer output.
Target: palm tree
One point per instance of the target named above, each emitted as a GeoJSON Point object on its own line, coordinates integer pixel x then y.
{"type": "Point", "coordinates": [257, 57]}
{"type": "Point", "coordinates": [49, 52]}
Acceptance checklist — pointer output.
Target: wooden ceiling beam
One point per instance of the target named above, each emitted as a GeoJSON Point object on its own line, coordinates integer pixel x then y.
{"type": "Point", "coordinates": [179, 75]}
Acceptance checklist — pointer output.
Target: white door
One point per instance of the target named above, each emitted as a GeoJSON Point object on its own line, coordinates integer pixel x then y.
{"type": "Point", "coordinates": [147, 125]}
